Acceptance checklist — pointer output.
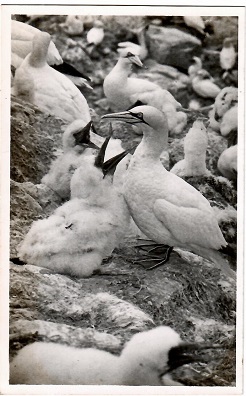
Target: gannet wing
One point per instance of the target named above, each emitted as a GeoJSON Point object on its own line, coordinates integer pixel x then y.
{"type": "Point", "coordinates": [190, 225]}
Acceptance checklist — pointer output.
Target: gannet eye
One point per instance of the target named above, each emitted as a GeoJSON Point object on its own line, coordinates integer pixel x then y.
{"type": "Point", "coordinates": [129, 54]}
{"type": "Point", "coordinates": [140, 115]}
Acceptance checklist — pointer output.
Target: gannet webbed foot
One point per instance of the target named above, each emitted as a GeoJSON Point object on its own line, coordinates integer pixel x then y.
{"type": "Point", "coordinates": [155, 260]}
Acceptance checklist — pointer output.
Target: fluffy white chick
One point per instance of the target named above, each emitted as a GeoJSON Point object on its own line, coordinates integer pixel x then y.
{"type": "Point", "coordinates": [96, 34]}
{"type": "Point", "coordinates": [227, 56]}
{"type": "Point", "coordinates": [147, 359]}
{"type": "Point", "coordinates": [82, 232]}
{"type": "Point", "coordinates": [75, 144]}
{"type": "Point", "coordinates": [38, 83]}
{"type": "Point", "coordinates": [195, 146]}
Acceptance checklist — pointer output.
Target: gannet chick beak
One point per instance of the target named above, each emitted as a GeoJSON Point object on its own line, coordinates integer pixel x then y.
{"type": "Point", "coordinates": [134, 59]}
{"type": "Point", "coordinates": [110, 165]}
{"type": "Point", "coordinates": [82, 137]}
{"type": "Point", "coordinates": [186, 353]}
{"type": "Point", "coordinates": [126, 116]}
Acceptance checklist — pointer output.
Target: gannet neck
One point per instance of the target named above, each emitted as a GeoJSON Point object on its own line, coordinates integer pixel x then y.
{"type": "Point", "coordinates": [38, 56]}
{"type": "Point", "coordinates": [123, 66]}
{"type": "Point", "coordinates": [141, 38]}
{"type": "Point", "coordinates": [152, 145]}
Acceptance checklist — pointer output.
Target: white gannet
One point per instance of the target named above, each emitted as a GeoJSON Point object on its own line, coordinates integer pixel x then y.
{"type": "Point", "coordinates": [195, 67]}
{"type": "Point", "coordinates": [229, 124]}
{"type": "Point", "coordinates": [96, 34]}
{"type": "Point", "coordinates": [195, 146]}
{"type": "Point", "coordinates": [226, 99]}
{"type": "Point", "coordinates": [123, 92]}
{"type": "Point", "coordinates": [204, 86]}
{"type": "Point", "coordinates": [166, 208]}
{"type": "Point", "coordinates": [227, 163]}
{"type": "Point", "coordinates": [21, 44]}
{"type": "Point", "coordinates": [195, 22]}
{"type": "Point", "coordinates": [75, 143]}
{"type": "Point", "coordinates": [35, 81]}
{"type": "Point", "coordinates": [140, 49]}
{"type": "Point", "coordinates": [227, 56]}
{"type": "Point", "coordinates": [147, 359]}
{"type": "Point", "coordinates": [73, 25]}
{"type": "Point", "coordinates": [82, 232]}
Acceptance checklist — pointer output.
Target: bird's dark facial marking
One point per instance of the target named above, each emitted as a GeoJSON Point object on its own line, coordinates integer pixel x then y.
{"type": "Point", "coordinates": [139, 117]}
{"type": "Point", "coordinates": [69, 226]}
{"type": "Point", "coordinates": [129, 55]}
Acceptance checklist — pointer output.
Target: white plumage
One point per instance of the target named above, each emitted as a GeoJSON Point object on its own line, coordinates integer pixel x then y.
{"type": "Point", "coordinates": [227, 55]}
{"type": "Point", "coordinates": [79, 234]}
{"type": "Point", "coordinates": [147, 359]}
{"type": "Point", "coordinates": [204, 86]}
{"type": "Point", "coordinates": [227, 163]}
{"type": "Point", "coordinates": [194, 68]}
{"type": "Point", "coordinates": [123, 91]}
{"type": "Point", "coordinates": [21, 44]}
{"type": "Point", "coordinates": [226, 99]}
{"type": "Point", "coordinates": [96, 34]}
{"type": "Point", "coordinates": [196, 22]}
{"type": "Point", "coordinates": [195, 145]}
{"type": "Point", "coordinates": [140, 49]}
{"type": "Point", "coordinates": [166, 208]}
{"type": "Point", "coordinates": [36, 82]}
{"type": "Point", "coordinates": [229, 121]}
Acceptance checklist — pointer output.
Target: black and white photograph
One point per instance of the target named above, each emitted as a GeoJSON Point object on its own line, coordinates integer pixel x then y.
{"type": "Point", "coordinates": [123, 149]}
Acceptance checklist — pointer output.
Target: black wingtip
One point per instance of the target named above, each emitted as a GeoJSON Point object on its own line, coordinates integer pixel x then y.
{"type": "Point", "coordinates": [66, 68]}
{"type": "Point", "coordinates": [17, 261]}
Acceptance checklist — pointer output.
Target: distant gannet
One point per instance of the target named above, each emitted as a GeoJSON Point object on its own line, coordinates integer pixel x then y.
{"type": "Point", "coordinates": [227, 163]}
{"type": "Point", "coordinates": [140, 49]}
{"type": "Point", "coordinates": [194, 68]}
{"type": "Point", "coordinates": [82, 232]}
{"type": "Point", "coordinates": [195, 22]}
{"type": "Point", "coordinates": [227, 56]}
{"type": "Point", "coordinates": [203, 86]}
{"type": "Point", "coordinates": [227, 98]}
{"type": "Point", "coordinates": [166, 208]}
{"type": "Point", "coordinates": [123, 92]}
{"type": "Point", "coordinates": [96, 34]}
{"type": "Point", "coordinates": [195, 146]}
{"type": "Point", "coordinates": [73, 25]}
{"type": "Point", "coordinates": [147, 359]}
{"type": "Point", "coordinates": [36, 82]}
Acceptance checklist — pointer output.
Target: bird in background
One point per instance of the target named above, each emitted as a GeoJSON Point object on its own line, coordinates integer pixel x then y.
{"type": "Point", "coordinates": [73, 25]}
{"type": "Point", "coordinates": [22, 36]}
{"type": "Point", "coordinates": [166, 208]}
{"type": "Point", "coordinates": [227, 56]}
{"type": "Point", "coordinates": [195, 67]}
{"type": "Point", "coordinates": [196, 22]}
{"type": "Point", "coordinates": [226, 99]}
{"type": "Point", "coordinates": [95, 35]}
{"type": "Point", "coordinates": [140, 49]}
{"type": "Point", "coordinates": [195, 146]}
{"type": "Point", "coordinates": [204, 86]}
{"type": "Point", "coordinates": [227, 163]}
{"type": "Point", "coordinates": [52, 92]}
{"type": "Point", "coordinates": [149, 358]}
{"type": "Point", "coordinates": [83, 231]}
{"type": "Point", "coordinates": [124, 92]}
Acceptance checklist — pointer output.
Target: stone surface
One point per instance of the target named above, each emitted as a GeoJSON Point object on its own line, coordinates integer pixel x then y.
{"type": "Point", "coordinates": [172, 47]}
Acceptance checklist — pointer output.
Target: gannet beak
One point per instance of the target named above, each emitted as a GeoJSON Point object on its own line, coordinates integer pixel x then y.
{"type": "Point", "coordinates": [186, 353]}
{"type": "Point", "coordinates": [127, 116]}
{"type": "Point", "coordinates": [109, 166]}
{"type": "Point", "coordinates": [135, 59]}
{"type": "Point", "coordinates": [85, 83]}
{"type": "Point", "coordinates": [82, 137]}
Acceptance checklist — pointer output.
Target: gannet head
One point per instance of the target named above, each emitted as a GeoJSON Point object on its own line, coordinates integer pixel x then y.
{"type": "Point", "coordinates": [227, 42]}
{"type": "Point", "coordinates": [98, 24]}
{"type": "Point", "coordinates": [203, 74]}
{"type": "Point", "coordinates": [40, 45]}
{"type": "Point", "coordinates": [197, 61]}
{"type": "Point", "coordinates": [148, 115]}
{"type": "Point", "coordinates": [129, 57]}
{"type": "Point", "coordinates": [196, 140]}
{"type": "Point", "coordinates": [77, 136]}
{"type": "Point", "coordinates": [152, 354]}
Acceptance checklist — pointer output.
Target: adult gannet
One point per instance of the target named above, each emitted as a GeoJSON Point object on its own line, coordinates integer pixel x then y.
{"type": "Point", "coordinates": [82, 232]}
{"type": "Point", "coordinates": [21, 44]}
{"type": "Point", "coordinates": [227, 163]}
{"type": "Point", "coordinates": [204, 86]}
{"type": "Point", "coordinates": [195, 146]}
{"type": "Point", "coordinates": [195, 67]}
{"type": "Point", "coordinates": [123, 92]}
{"type": "Point", "coordinates": [227, 56]}
{"type": "Point", "coordinates": [140, 49]}
{"type": "Point", "coordinates": [36, 82]}
{"type": "Point", "coordinates": [147, 359]}
{"type": "Point", "coordinates": [166, 208]}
